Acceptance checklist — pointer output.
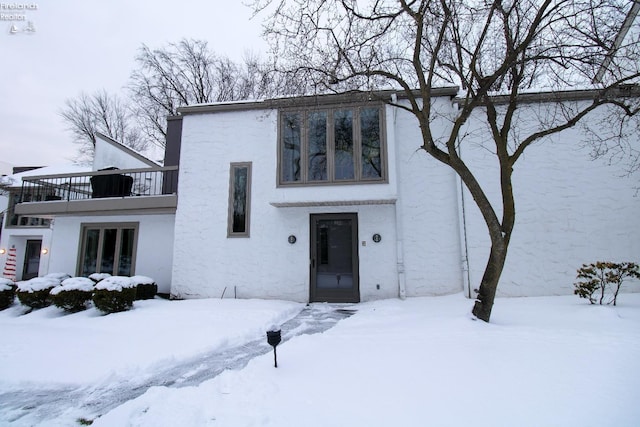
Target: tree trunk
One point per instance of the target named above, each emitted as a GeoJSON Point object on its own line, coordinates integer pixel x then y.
{"type": "Point", "coordinates": [490, 278]}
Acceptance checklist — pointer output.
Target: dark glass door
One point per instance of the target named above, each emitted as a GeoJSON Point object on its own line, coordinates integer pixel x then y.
{"type": "Point", "coordinates": [334, 258]}
{"type": "Point", "coordinates": [31, 259]}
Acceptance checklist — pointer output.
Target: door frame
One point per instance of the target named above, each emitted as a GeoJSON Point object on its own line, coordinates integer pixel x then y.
{"type": "Point", "coordinates": [25, 263]}
{"type": "Point", "coordinates": [334, 295]}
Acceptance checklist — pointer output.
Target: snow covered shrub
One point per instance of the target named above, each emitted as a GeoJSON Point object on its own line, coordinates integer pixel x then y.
{"type": "Point", "coordinates": [34, 293]}
{"type": "Point", "coordinates": [146, 287]}
{"type": "Point", "coordinates": [601, 281]}
{"type": "Point", "coordinates": [73, 294]}
{"type": "Point", "coordinates": [114, 294]}
{"type": "Point", "coordinates": [7, 293]}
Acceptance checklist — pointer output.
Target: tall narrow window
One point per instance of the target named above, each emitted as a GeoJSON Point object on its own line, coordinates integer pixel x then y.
{"type": "Point", "coordinates": [239, 200]}
{"type": "Point", "coordinates": [291, 145]}
{"type": "Point", "coordinates": [343, 128]}
{"type": "Point", "coordinates": [370, 139]}
{"type": "Point", "coordinates": [108, 248]}
{"type": "Point", "coordinates": [317, 146]}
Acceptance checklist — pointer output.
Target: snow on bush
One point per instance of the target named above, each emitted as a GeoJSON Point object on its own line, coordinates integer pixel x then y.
{"type": "Point", "coordinates": [38, 284]}
{"type": "Point", "coordinates": [6, 284]}
{"type": "Point", "coordinates": [146, 287]}
{"type": "Point", "coordinates": [58, 276]}
{"type": "Point", "coordinates": [114, 294]}
{"type": "Point", "coordinates": [142, 280]}
{"type": "Point", "coordinates": [73, 294]}
{"type": "Point", "coordinates": [34, 293]}
{"type": "Point", "coordinates": [96, 277]}
{"type": "Point", "coordinates": [74, 284]}
{"type": "Point", "coordinates": [115, 283]}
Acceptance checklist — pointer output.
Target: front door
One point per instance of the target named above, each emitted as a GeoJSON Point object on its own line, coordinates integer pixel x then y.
{"type": "Point", "coordinates": [31, 259]}
{"type": "Point", "coordinates": [334, 258]}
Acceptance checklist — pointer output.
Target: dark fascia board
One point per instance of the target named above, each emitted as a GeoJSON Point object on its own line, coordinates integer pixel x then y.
{"type": "Point", "coordinates": [312, 100]}
{"type": "Point", "coordinates": [621, 91]}
{"type": "Point", "coordinates": [127, 150]}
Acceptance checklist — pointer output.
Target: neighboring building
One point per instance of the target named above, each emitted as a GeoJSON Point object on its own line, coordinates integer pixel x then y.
{"type": "Point", "coordinates": [115, 217]}
{"type": "Point", "coordinates": [329, 198]}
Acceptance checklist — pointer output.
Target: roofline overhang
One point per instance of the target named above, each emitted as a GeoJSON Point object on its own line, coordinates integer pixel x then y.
{"type": "Point", "coordinates": [312, 100]}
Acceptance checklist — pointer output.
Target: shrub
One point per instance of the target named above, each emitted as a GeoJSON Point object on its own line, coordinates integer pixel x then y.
{"type": "Point", "coordinates": [601, 281]}
{"type": "Point", "coordinates": [146, 287]}
{"type": "Point", "coordinates": [73, 294]}
{"type": "Point", "coordinates": [7, 293]}
{"type": "Point", "coordinates": [114, 294]}
{"type": "Point", "coordinates": [34, 293]}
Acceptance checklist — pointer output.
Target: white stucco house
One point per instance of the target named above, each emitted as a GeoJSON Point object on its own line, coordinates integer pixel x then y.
{"type": "Point", "coordinates": [328, 198]}
{"type": "Point", "coordinates": [81, 220]}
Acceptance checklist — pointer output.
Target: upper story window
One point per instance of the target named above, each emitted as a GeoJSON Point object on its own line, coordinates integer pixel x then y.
{"type": "Point", "coordinates": [331, 146]}
{"type": "Point", "coordinates": [239, 200]}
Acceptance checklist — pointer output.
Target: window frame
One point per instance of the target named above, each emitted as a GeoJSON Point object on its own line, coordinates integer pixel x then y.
{"type": "Point", "coordinates": [330, 109]}
{"type": "Point", "coordinates": [233, 166]}
{"type": "Point", "coordinates": [119, 226]}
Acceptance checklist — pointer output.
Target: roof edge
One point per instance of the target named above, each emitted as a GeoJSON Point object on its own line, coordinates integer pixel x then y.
{"type": "Point", "coordinates": [310, 100]}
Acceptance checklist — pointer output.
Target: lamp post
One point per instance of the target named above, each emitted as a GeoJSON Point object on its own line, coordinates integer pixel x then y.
{"type": "Point", "coordinates": [274, 338]}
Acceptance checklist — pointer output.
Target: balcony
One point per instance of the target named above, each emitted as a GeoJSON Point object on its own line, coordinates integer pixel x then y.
{"type": "Point", "coordinates": [113, 191]}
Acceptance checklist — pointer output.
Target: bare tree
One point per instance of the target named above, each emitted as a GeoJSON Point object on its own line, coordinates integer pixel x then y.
{"type": "Point", "coordinates": [101, 112]}
{"type": "Point", "coordinates": [186, 73]}
{"type": "Point", "coordinates": [486, 48]}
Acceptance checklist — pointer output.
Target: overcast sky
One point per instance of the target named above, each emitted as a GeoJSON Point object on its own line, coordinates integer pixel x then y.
{"type": "Point", "coordinates": [88, 45]}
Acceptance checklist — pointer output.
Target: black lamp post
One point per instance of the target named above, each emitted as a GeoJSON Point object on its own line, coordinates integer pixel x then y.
{"type": "Point", "coordinates": [274, 338]}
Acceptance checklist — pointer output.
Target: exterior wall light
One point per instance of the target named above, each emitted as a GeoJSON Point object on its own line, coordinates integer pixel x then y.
{"type": "Point", "coordinates": [3, 251]}
{"type": "Point", "coordinates": [44, 251]}
{"type": "Point", "coordinates": [376, 238]}
{"type": "Point", "coordinates": [292, 239]}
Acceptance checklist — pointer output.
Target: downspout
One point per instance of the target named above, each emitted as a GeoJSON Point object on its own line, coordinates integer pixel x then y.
{"type": "Point", "coordinates": [402, 285]}
{"type": "Point", "coordinates": [462, 224]}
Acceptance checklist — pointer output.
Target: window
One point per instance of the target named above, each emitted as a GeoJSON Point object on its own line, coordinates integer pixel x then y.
{"type": "Point", "coordinates": [338, 145]}
{"type": "Point", "coordinates": [239, 200]}
{"type": "Point", "coordinates": [108, 248]}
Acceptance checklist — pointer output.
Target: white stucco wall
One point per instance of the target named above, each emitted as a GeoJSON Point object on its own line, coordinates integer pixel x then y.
{"type": "Point", "coordinates": [264, 265]}
{"type": "Point", "coordinates": [154, 255]}
{"type": "Point", "coordinates": [570, 210]}
{"type": "Point", "coordinates": [427, 200]}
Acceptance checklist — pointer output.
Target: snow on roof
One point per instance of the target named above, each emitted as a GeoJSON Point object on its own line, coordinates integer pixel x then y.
{"type": "Point", "coordinates": [15, 180]}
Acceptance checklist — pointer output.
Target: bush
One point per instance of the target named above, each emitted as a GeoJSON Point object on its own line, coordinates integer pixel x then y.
{"type": "Point", "coordinates": [146, 288]}
{"type": "Point", "coordinates": [601, 281]}
{"type": "Point", "coordinates": [73, 294]}
{"type": "Point", "coordinates": [34, 293]}
{"type": "Point", "coordinates": [114, 294]}
{"type": "Point", "coordinates": [7, 293]}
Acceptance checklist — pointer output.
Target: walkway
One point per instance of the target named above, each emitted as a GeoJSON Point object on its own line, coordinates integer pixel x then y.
{"type": "Point", "coordinates": [37, 406]}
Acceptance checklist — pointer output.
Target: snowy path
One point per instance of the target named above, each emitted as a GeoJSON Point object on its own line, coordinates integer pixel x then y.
{"type": "Point", "coordinates": [66, 405]}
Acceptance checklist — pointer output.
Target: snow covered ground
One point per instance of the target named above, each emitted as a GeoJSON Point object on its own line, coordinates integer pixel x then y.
{"type": "Point", "coordinates": [548, 361]}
